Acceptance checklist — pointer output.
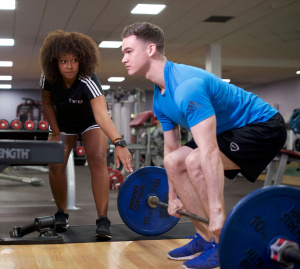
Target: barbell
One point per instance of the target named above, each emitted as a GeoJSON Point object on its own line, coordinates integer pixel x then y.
{"type": "Point", "coordinates": [261, 231]}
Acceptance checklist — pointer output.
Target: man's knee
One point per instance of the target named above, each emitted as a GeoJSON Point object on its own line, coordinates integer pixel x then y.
{"type": "Point", "coordinates": [173, 161]}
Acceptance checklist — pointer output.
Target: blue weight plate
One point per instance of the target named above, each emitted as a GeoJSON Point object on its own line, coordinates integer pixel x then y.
{"type": "Point", "coordinates": [133, 201]}
{"type": "Point", "coordinates": [254, 222]}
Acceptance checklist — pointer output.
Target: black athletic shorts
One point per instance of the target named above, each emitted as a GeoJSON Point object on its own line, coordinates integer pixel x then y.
{"type": "Point", "coordinates": [76, 128]}
{"type": "Point", "coordinates": [251, 147]}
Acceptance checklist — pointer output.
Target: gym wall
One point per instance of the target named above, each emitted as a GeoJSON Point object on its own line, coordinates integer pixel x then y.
{"type": "Point", "coordinates": [285, 94]}
{"type": "Point", "coordinates": [9, 100]}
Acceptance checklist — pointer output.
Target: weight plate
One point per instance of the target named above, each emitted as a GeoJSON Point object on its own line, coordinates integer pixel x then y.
{"type": "Point", "coordinates": [29, 125]}
{"type": "Point", "coordinates": [79, 151]}
{"type": "Point", "coordinates": [254, 222]}
{"type": "Point", "coordinates": [16, 125]}
{"type": "Point", "coordinates": [43, 125]}
{"type": "Point", "coordinates": [133, 201]}
{"type": "Point", "coordinates": [4, 125]}
{"type": "Point", "coordinates": [116, 179]}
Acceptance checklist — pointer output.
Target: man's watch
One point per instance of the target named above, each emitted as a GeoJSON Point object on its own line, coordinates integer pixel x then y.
{"type": "Point", "coordinates": [121, 143]}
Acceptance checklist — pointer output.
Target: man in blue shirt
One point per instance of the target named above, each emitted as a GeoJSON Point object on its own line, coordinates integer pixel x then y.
{"type": "Point", "coordinates": [233, 132]}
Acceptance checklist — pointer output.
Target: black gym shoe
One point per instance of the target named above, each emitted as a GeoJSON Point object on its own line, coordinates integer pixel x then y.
{"type": "Point", "coordinates": [103, 228]}
{"type": "Point", "coordinates": [61, 221]}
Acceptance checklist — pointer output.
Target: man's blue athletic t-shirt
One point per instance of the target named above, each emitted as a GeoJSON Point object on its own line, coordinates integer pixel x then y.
{"type": "Point", "coordinates": [193, 94]}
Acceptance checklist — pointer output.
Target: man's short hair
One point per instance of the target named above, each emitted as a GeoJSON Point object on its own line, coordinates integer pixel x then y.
{"type": "Point", "coordinates": [147, 32]}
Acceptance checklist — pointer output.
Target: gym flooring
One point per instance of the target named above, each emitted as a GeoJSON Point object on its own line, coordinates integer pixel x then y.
{"type": "Point", "coordinates": [21, 203]}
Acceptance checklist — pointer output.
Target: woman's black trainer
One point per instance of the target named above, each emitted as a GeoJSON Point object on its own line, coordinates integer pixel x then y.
{"type": "Point", "coordinates": [103, 228]}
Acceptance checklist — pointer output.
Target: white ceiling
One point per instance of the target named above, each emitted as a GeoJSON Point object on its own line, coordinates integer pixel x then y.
{"type": "Point", "coordinates": [260, 45]}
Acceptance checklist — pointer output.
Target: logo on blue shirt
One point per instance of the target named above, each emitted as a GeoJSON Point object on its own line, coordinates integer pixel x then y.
{"type": "Point", "coordinates": [192, 107]}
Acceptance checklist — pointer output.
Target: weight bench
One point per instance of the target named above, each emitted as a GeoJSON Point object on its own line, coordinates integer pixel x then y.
{"type": "Point", "coordinates": [281, 159]}
{"type": "Point", "coordinates": [144, 119]}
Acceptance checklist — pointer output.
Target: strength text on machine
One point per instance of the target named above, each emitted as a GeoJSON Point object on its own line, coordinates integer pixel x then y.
{"type": "Point", "coordinates": [15, 153]}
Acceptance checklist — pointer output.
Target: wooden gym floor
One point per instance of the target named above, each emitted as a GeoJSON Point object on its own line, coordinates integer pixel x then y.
{"type": "Point", "coordinates": [21, 203]}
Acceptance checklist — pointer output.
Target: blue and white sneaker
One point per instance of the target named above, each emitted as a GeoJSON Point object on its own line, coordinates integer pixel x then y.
{"type": "Point", "coordinates": [209, 258]}
{"type": "Point", "coordinates": [190, 250]}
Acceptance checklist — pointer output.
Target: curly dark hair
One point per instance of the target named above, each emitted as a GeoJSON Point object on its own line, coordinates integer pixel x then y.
{"type": "Point", "coordinates": [59, 43]}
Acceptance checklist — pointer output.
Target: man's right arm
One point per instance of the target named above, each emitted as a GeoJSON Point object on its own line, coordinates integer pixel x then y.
{"type": "Point", "coordinates": [172, 142]}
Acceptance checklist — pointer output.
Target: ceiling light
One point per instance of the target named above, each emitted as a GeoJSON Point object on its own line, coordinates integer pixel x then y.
{"type": "Point", "coordinates": [7, 4]}
{"type": "Point", "coordinates": [116, 79]}
{"type": "Point", "coordinates": [298, 72]}
{"type": "Point", "coordinates": [5, 77]}
{"type": "Point", "coordinates": [147, 9]}
{"type": "Point", "coordinates": [6, 63]}
{"type": "Point", "coordinates": [226, 80]}
{"type": "Point", "coordinates": [105, 87]}
{"type": "Point", "coordinates": [7, 42]}
{"type": "Point", "coordinates": [5, 86]}
{"type": "Point", "coordinates": [110, 44]}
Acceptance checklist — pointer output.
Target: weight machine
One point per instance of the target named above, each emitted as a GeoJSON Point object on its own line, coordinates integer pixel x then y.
{"type": "Point", "coordinates": [19, 152]}
{"type": "Point", "coordinates": [143, 145]}
{"type": "Point", "coordinates": [123, 105]}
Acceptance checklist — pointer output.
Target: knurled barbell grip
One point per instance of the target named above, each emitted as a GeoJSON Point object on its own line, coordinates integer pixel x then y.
{"type": "Point", "coordinates": [291, 255]}
{"type": "Point", "coordinates": [179, 211]}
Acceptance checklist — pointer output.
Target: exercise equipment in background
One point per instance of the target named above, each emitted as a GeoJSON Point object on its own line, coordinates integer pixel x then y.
{"type": "Point", "coordinates": [295, 121]}
{"type": "Point", "coordinates": [16, 124]}
{"type": "Point", "coordinates": [4, 124]}
{"type": "Point", "coordinates": [45, 226]}
{"type": "Point", "coordinates": [29, 125]}
{"type": "Point", "coordinates": [116, 178]}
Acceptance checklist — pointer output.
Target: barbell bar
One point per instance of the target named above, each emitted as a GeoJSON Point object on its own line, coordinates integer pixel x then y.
{"type": "Point", "coordinates": [283, 251]}
{"type": "Point", "coordinates": [250, 228]}
{"type": "Point", "coordinates": [153, 202]}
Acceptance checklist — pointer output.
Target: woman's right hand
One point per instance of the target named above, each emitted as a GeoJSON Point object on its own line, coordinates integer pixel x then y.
{"type": "Point", "coordinates": [122, 154]}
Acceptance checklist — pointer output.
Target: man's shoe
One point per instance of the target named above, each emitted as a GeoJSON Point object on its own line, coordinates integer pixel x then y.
{"type": "Point", "coordinates": [61, 221]}
{"type": "Point", "coordinates": [190, 250]}
{"type": "Point", "coordinates": [103, 228]}
{"type": "Point", "coordinates": [209, 258]}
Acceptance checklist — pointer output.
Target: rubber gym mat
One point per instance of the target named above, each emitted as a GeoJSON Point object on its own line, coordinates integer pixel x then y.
{"type": "Point", "coordinates": [120, 232]}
